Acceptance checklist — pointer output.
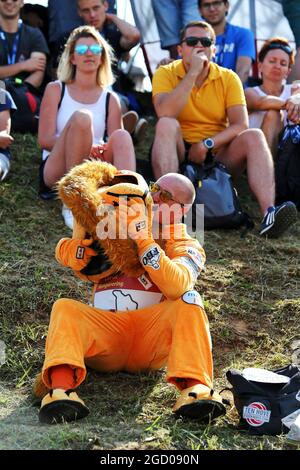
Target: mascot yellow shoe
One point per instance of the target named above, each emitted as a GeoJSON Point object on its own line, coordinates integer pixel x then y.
{"type": "Point", "coordinates": [199, 402]}
{"type": "Point", "coordinates": [60, 406]}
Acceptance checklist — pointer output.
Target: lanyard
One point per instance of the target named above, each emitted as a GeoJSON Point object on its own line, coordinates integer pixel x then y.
{"type": "Point", "coordinates": [11, 58]}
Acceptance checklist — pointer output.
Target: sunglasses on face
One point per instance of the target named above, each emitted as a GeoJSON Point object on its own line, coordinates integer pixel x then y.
{"type": "Point", "coordinates": [82, 49]}
{"type": "Point", "coordinates": [277, 45]}
{"type": "Point", "coordinates": [164, 195]}
{"type": "Point", "coordinates": [193, 41]}
{"type": "Point", "coordinates": [5, 1]}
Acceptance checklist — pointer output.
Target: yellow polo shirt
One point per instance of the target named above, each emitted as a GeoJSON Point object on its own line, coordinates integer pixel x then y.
{"type": "Point", "coordinates": [205, 113]}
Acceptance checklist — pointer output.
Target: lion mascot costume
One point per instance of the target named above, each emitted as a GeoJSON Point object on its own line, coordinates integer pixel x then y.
{"type": "Point", "coordinates": [145, 312]}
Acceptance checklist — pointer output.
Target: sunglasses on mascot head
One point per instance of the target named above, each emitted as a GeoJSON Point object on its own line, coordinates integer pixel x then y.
{"type": "Point", "coordinates": [82, 49]}
{"type": "Point", "coordinates": [164, 195]}
{"type": "Point", "coordinates": [193, 41]}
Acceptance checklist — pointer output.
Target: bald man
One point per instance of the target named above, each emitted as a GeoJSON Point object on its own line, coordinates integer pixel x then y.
{"type": "Point", "coordinates": [145, 323]}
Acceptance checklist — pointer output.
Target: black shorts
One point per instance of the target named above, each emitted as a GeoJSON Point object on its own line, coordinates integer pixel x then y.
{"type": "Point", "coordinates": [44, 191]}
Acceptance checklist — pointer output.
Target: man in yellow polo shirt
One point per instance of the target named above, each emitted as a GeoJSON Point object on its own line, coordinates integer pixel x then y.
{"type": "Point", "coordinates": [201, 106]}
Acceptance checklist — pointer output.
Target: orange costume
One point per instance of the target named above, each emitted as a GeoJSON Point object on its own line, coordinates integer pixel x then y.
{"type": "Point", "coordinates": [148, 321]}
{"type": "Point", "coordinates": [137, 323]}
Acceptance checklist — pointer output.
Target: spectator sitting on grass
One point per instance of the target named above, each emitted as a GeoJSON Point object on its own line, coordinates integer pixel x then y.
{"type": "Point", "coordinates": [201, 106]}
{"type": "Point", "coordinates": [122, 37]}
{"type": "Point", "coordinates": [273, 103]}
{"type": "Point", "coordinates": [77, 129]}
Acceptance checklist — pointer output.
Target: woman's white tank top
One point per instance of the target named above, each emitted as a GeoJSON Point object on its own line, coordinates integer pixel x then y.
{"type": "Point", "coordinates": [68, 106]}
{"type": "Point", "coordinates": [256, 118]}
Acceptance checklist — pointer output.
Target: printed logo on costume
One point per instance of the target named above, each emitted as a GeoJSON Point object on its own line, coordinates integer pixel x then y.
{"type": "Point", "coordinates": [140, 225]}
{"type": "Point", "coordinates": [191, 266]}
{"type": "Point", "coordinates": [80, 252]}
{"type": "Point", "coordinates": [124, 301]}
{"type": "Point", "coordinates": [193, 297]}
{"type": "Point", "coordinates": [196, 257]}
{"type": "Point", "coordinates": [151, 258]}
{"type": "Point", "coordinates": [123, 293]}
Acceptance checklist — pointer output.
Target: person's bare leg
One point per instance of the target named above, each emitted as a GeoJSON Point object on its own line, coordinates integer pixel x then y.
{"type": "Point", "coordinates": [72, 147]}
{"type": "Point", "coordinates": [120, 150]}
{"type": "Point", "coordinates": [271, 126]}
{"type": "Point", "coordinates": [249, 150]}
{"type": "Point", "coordinates": [168, 147]}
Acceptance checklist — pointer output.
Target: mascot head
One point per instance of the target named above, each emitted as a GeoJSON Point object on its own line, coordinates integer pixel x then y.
{"type": "Point", "coordinates": [88, 189]}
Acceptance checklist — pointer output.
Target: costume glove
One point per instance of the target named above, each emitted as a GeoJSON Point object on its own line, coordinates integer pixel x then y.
{"type": "Point", "coordinates": [79, 253]}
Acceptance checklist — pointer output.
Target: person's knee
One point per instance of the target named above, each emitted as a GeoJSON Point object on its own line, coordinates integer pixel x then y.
{"type": "Point", "coordinates": [252, 137]}
{"type": "Point", "coordinates": [189, 305]}
{"type": "Point", "coordinates": [120, 135]}
{"type": "Point", "coordinates": [82, 119]}
{"type": "Point", "coordinates": [65, 307]}
{"type": "Point", "coordinates": [167, 126]}
{"type": "Point", "coordinates": [272, 118]}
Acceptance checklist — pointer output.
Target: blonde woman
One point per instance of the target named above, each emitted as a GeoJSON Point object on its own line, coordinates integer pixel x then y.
{"type": "Point", "coordinates": [273, 103]}
{"type": "Point", "coordinates": [73, 122]}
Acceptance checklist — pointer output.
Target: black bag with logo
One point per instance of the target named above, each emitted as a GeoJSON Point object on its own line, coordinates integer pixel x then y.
{"type": "Point", "coordinates": [264, 406]}
{"type": "Point", "coordinates": [287, 166]}
{"type": "Point", "coordinates": [214, 188]}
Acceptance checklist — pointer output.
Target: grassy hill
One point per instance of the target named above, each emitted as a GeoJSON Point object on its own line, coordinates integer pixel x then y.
{"type": "Point", "coordinates": [251, 290]}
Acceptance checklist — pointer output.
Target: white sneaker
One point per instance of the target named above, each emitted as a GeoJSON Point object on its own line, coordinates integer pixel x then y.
{"type": "Point", "coordinates": [68, 216]}
{"type": "Point", "coordinates": [4, 166]}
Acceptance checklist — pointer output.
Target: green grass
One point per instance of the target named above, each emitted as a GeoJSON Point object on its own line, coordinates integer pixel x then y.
{"type": "Point", "coordinates": [251, 290]}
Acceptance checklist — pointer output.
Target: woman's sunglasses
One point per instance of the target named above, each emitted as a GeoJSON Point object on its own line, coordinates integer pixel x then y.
{"type": "Point", "coordinates": [193, 41]}
{"type": "Point", "coordinates": [82, 49]}
{"type": "Point", "coordinates": [164, 195]}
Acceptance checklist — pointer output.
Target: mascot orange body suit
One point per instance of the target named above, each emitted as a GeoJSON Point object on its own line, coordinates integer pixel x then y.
{"type": "Point", "coordinates": [144, 315]}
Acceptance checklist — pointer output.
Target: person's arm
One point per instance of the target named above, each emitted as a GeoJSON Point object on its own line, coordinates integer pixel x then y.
{"type": "Point", "coordinates": [48, 114]}
{"type": "Point", "coordinates": [292, 107]}
{"type": "Point", "coordinates": [37, 76]}
{"type": "Point", "coordinates": [5, 138]}
{"type": "Point", "coordinates": [255, 102]}
{"type": "Point", "coordinates": [33, 64]}
{"type": "Point", "coordinates": [237, 122]}
{"type": "Point", "coordinates": [130, 34]}
{"type": "Point", "coordinates": [246, 53]}
{"type": "Point", "coordinates": [74, 253]}
{"type": "Point", "coordinates": [243, 67]}
{"type": "Point", "coordinates": [173, 276]}
{"type": "Point", "coordinates": [171, 104]}
{"type": "Point", "coordinates": [114, 118]}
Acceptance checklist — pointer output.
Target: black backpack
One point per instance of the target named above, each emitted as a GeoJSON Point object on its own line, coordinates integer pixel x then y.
{"type": "Point", "coordinates": [263, 406]}
{"type": "Point", "coordinates": [287, 166]}
{"type": "Point", "coordinates": [214, 189]}
{"type": "Point", "coordinates": [28, 101]}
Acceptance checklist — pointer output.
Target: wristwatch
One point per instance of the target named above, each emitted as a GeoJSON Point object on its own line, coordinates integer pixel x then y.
{"type": "Point", "coordinates": [209, 143]}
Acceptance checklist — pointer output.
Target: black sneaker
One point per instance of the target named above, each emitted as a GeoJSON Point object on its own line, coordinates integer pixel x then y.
{"type": "Point", "coordinates": [278, 219]}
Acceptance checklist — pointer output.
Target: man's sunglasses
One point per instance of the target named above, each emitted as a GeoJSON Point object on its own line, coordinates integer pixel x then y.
{"type": "Point", "coordinates": [4, 1]}
{"type": "Point", "coordinates": [164, 195]}
{"type": "Point", "coordinates": [193, 41]}
{"type": "Point", "coordinates": [82, 49]}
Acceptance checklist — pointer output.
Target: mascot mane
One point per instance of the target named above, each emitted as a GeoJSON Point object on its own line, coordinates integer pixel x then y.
{"type": "Point", "coordinates": [80, 191]}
